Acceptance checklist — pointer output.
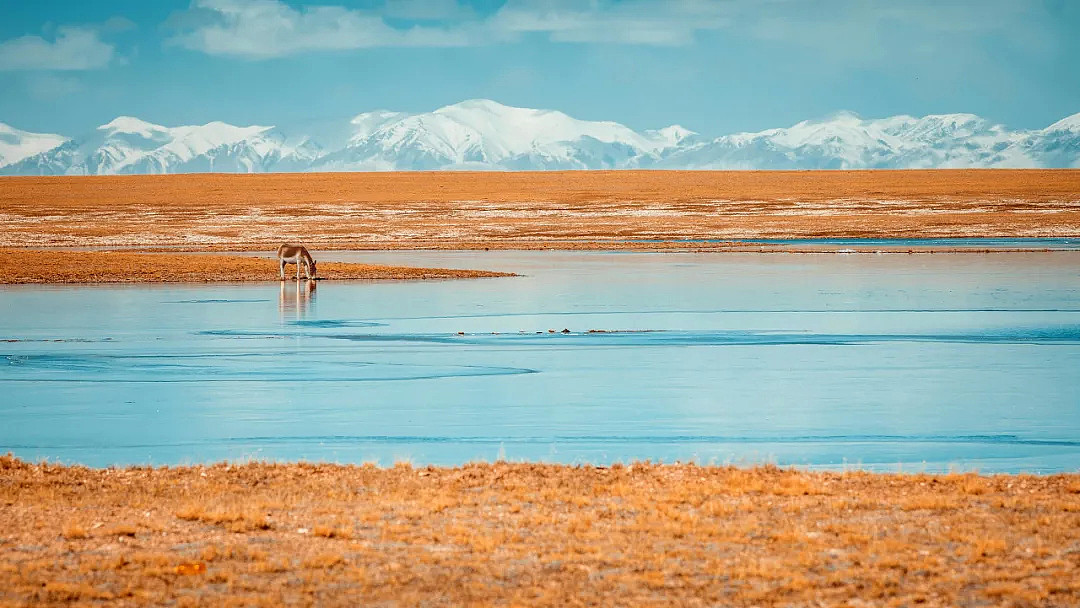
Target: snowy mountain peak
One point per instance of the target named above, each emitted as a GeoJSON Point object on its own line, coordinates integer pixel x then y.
{"type": "Point", "coordinates": [218, 132]}
{"type": "Point", "coordinates": [676, 132]}
{"type": "Point", "coordinates": [485, 114]}
{"type": "Point", "coordinates": [1069, 123]}
{"type": "Point", "coordinates": [221, 127]}
{"type": "Point", "coordinates": [481, 133]}
{"type": "Point", "coordinates": [670, 136]}
{"type": "Point", "coordinates": [132, 125]}
{"type": "Point", "coordinates": [376, 116]}
{"type": "Point", "coordinates": [939, 127]}
{"type": "Point", "coordinates": [840, 116]}
{"type": "Point", "coordinates": [15, 144]}
{"type": "Point", "coordinates": [953, 119]}
{"type": "Point", "coordinates": [479, 105]}
{"type": "Point", "coordinates": [363, 125]}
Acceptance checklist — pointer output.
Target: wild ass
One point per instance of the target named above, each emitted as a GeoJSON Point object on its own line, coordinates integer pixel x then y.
{"type": "Point", "coordinates": [296, 254]}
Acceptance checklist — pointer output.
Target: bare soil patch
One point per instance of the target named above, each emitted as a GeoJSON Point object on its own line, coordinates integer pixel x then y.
{"type": "Point", "coordinates": [568, 210]}
{"type": "Point", "coordinates": [514, 534]}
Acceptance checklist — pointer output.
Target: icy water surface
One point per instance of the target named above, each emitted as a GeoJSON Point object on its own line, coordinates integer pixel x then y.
{"type": "Point", "coordinates": [962, 360]}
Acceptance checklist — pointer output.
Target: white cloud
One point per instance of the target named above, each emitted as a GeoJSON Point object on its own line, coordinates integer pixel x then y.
{"type": "Point", "coordinates": [426, 10]}
{"type": "Point", "coordinates": [268, 28]}
{"type": "Point", "coordinates": [632, 22]}
{"type": "Point", "coordinates": [271, 28]}
{"type": "Point", "coordinates": [74, 48]}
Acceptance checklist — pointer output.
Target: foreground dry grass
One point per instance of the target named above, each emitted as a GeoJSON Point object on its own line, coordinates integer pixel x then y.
{"type": "Point", "coordinates": [593, 210]}
{"type": "Point", "coordinates": [31, 266]}
{"type": "Point", "coordinates": [533, 534]}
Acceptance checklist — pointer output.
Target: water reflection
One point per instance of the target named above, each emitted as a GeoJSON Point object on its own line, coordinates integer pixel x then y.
{"type": "Point", "coordinates": [295, 299]}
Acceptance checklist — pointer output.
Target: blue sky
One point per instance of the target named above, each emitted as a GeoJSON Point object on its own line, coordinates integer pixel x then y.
{"type": "Point", "coordinates": [714, 66]}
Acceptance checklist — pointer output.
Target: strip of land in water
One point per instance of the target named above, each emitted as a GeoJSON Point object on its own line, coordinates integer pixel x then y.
{"type": "Point", "coordinates": [529, 534]}
{"type": "Point", "coordinates": [36, 266]}
{"type": "Point", "coordinates": [564, 210]}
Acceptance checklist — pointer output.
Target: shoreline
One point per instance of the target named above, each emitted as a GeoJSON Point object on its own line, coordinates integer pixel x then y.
{"type": "Point", "coordinates": [533, 533]}
{"type": "Point", "coordinates": [56, 267]}
{"type": "Point", "coordinates": [179, 265]}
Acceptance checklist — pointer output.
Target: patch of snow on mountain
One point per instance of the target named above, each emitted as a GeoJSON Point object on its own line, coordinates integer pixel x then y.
{"type": "Point", "coordinates": [133, 126]}
{"type": "Point", "coordinates": [1069, 123]}
{"type": "Point", "coordinates": [363, 125]}
{"type": "Point", "coordinates": [15, 144]}
{"type": "Point", "coordinates": [669, 137]}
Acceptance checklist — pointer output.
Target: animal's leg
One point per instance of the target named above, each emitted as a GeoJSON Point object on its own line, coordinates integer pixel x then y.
{"type": "Point", "coordinates": [281, 268]}
{"type": "Point", "coordinates": [297, 270]}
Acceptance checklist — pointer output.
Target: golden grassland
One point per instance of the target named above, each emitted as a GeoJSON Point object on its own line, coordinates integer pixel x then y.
{"type": "Point", "coordinates": [577, 209]}
{"type": "Point", "coordinates": [36, 266]}
{"type": "Point", "coordinates": [533, 534]}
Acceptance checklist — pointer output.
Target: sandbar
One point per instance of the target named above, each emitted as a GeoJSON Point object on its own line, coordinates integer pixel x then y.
{"type": "Point", "coordinates": [52, 266]}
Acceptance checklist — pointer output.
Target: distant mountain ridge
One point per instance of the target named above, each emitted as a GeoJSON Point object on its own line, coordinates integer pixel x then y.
{"type": "Point", "coordinates": [481, 134]}
{"type": "Point", "coordinates": [15, 145]}
{"type": "Point", "coordinates": [129, 146]}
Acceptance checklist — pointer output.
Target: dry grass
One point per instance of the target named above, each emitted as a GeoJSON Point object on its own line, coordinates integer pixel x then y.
{"type": "Point", "coordinates": [30, 266]}
{"type": "Point", "coordinates": [594, 209]}
{"type": "Point", "coordinates": [528, 534]}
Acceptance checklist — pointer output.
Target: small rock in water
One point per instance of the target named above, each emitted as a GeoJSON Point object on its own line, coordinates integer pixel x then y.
{"type": "Point", "coordinates": [565, 331]}
{"type": "Point", "coordinates": [461, 333]}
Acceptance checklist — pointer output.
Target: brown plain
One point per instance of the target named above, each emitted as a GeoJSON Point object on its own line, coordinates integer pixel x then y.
{"type": "Point", "coordinates": [533, 534]}
{"type": "Point", "coordinates": [613, 209]}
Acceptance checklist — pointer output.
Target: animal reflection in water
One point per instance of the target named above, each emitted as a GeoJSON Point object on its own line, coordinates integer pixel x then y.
{"type": "Point", "coordinates": [296, 297]}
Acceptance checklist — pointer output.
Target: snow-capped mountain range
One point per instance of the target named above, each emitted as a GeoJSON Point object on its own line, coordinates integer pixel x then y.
{"type": "Point", "coordinates": [485, 135]}
{"type": "Point", "coordinates": [129, 145]}
{"type": "Point", "coordinates": [15, 145]}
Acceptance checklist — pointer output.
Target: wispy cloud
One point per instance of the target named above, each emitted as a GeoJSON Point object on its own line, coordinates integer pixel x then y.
{"type": "Point", "coordinates": [672, 22]}
{"type": "Point", "coordinates": [268, 28]}
{"type": "Point", "coordinates": [72, 48]}
{"type": "Point", "coordinates": [259, 29]}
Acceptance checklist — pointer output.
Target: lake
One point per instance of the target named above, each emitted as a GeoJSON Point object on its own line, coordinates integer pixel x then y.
{"type": "Point", "coordinates": [945, 361]}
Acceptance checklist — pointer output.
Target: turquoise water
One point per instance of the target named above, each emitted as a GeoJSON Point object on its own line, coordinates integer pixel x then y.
{"type": "Point", "coordinates": [919, 362]}
{"type": "Point", "coordinates": [1034, 244]}
{"type": "Point", "coordinates": [1055, 244]}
